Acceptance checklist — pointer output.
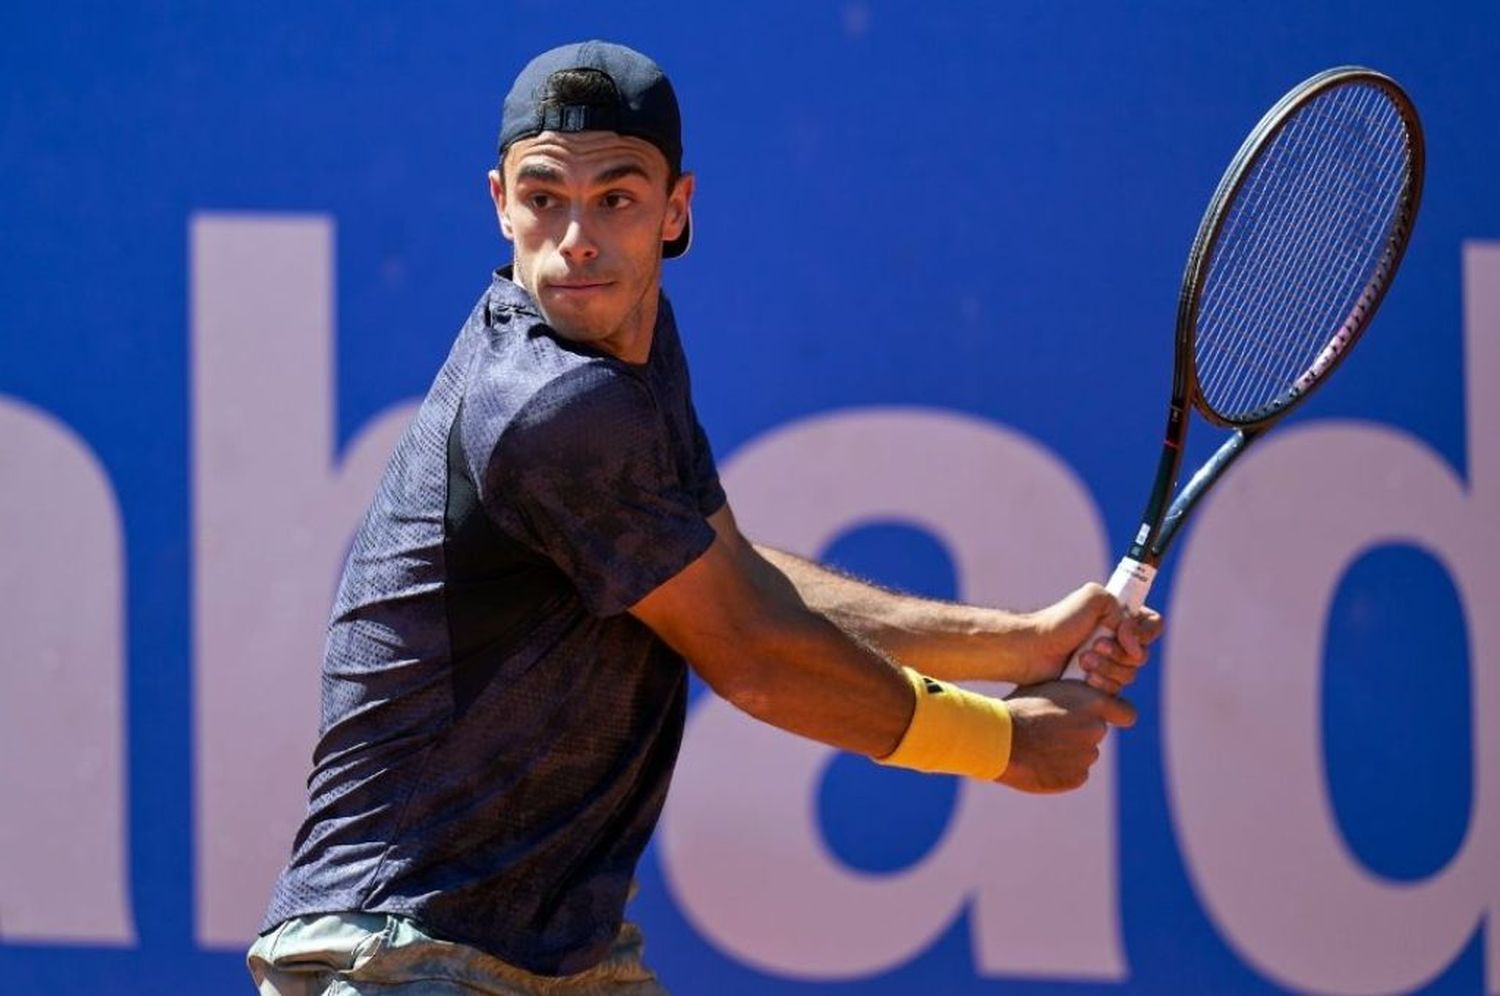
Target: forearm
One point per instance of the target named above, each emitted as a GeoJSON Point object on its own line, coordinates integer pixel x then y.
{"type": "Point", "coordinates": [754, 640]}
{"type": "Point", "coordinates": [948, 641]}
{"type": "Point", "coordinates": [812, 678]}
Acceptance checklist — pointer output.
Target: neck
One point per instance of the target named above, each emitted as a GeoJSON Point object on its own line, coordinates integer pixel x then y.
{"type": "Point", "coordinates": [631, 342]}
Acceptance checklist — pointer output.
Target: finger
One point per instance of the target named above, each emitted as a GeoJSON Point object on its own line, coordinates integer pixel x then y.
{"type": "Point", "coordinates": [1118, 712]}
{"type": "Point", "coordinates": [1128, 639]}
{"type": "Point", "coordinates": [1111, 674]}
{"type": "Point", "coordinates": [1147, 625]}
{"type": "Point", "coordinates": [1093, 660]}
{"type": "Point", "coordinates": [1118, 651]}
{"type": "Point", "coordinates": [1104, 683]}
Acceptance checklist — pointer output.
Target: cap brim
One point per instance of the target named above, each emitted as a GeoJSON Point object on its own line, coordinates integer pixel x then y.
{"type": "Point", "coordinates": [673, 248]}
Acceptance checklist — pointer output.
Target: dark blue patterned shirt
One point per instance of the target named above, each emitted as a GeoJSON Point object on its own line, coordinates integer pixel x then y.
{"type": "Point", "coordinates": [497, 732]}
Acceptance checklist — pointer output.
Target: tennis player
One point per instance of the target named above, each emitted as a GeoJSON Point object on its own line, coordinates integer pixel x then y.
{"type": "Point", "coordinates": [504, 684]}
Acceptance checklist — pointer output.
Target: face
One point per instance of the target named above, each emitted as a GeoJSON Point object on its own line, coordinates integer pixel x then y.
{"type": "Point", "coordinates": [587, 213]}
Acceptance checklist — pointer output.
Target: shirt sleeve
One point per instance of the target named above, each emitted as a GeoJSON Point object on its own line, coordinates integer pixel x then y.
{"type": "Point", "coordinates": [581, 474]}
{"type": "Point", "coordinates": [707, 490]}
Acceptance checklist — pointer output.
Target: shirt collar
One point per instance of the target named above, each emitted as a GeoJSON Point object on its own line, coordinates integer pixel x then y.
{"type": "Point", "coordinates": [506, 297]}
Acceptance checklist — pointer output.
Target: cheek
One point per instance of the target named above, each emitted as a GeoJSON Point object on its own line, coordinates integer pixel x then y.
{"type": "Point", "coordinates": [639, 237]}
{"type": "Point", "coordinates": [532, 243]}
{"type": "Point", "coordinates": [526, 228]}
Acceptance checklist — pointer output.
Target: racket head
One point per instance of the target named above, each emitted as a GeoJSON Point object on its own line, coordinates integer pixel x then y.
{"type": "Point", "coordinates": [1298, 245]}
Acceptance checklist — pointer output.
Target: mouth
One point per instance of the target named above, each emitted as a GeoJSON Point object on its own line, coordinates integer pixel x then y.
{"type": "Point", "coordinates": [577, 288]}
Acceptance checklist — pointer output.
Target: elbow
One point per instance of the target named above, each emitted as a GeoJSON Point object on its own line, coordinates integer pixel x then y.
{"type": "Point", "coordinates": [745, 682]}
{"type": "Point", "coordinates": [751, 671]}
{"type": "Point", "coordinates": [752, 696]}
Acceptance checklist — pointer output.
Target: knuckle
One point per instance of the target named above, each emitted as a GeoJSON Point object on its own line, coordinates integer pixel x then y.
{"type": "Point", "coordinates": [1097, 595]}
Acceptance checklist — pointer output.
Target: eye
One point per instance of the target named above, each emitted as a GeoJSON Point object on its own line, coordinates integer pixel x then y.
{"type": "Point", "coordinates": [541, 201]}
{"type": "Point", "coordinates": [617, 199]}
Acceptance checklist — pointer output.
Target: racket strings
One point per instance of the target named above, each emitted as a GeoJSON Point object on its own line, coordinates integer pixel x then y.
{"type": "Point", "coordinates": [1303, 135]}
{"type": "Point", "coordinates": [1268, 361]}
{"type": "Point", "coordinates": [1297, 267]}
{"type": "Point", "coordinates": [1346, 260]}
{"type": "Point", "coordinates": [1356, 251]}
{"type": "Point", "coordinates": [1307, 234]}
{"type": "Point", "coordinates": [1246, 261]}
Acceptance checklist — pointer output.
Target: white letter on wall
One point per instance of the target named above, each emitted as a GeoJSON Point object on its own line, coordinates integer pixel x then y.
{"type": "Point", "coordinates": [273, 516]}
{"type": "Point", "coordinates": [1244, 746]}
{"type": "Point", "coordinates": [63, 855]}
{"type": "Point", "coordinates": [741, 846]}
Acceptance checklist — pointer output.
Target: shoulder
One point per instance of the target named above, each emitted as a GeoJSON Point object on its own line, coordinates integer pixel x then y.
{"type": "Point", "coordinates": [582, 407]}
{"type": "Point", "coordinates": [588, 410]}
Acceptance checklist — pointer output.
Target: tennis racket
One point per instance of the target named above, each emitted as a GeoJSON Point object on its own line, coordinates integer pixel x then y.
{"type": "Point", "coordinates": [1291, 261]}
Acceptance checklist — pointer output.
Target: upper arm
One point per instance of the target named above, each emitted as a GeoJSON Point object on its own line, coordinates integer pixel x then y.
{"type": "Point", "coordinates": [720, 596]}
{"type": "Point", "coordinates": [748, 633]}
{"type": "Point", "coordinates": [727, 610]}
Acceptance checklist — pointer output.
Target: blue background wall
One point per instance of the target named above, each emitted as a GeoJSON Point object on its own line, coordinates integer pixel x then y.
{"type": "Point", "coordinates": [981, 208]}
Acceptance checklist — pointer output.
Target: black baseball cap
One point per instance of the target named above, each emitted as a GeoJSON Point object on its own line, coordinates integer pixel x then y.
{"type": "Point", "coordinates": [645, 106]}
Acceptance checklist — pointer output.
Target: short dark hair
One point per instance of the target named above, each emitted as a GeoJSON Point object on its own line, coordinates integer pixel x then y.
{"type": "Point", "coordinates": [589, 88]}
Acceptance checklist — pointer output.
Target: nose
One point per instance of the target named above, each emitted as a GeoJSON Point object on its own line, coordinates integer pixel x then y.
{"type": "Point", "coordinates": [577, 246]}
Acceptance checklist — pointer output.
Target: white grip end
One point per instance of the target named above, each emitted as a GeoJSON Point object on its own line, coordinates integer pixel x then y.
{"type": "Point", "coordinates": [1130, 583]}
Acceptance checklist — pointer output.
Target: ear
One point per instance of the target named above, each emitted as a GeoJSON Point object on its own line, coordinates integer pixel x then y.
{"type": "Point", "coordinates": [497, 194]}
{"type": "Point", "coordinates": [678, 201]}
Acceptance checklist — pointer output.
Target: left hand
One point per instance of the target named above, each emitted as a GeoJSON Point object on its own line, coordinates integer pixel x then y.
{"type": "Point", "coordinates": [1109, 663]}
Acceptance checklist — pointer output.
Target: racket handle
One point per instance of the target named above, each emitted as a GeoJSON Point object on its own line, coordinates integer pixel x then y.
{"type": "Point", "coordinates": [1130, 583]}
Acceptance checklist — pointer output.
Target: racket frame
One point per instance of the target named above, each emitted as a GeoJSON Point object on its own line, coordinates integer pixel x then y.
{"type": "Point", "coordinates": [1161, 520]}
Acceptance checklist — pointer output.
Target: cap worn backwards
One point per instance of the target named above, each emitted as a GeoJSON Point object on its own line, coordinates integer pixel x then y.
{"type": "Point", "coordinates": [643, 106]}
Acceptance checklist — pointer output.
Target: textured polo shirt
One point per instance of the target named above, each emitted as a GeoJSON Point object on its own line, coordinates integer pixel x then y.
{"type": "Point", "coordinates": [497, 732]}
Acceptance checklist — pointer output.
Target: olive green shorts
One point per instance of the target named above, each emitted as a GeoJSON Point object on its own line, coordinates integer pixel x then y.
{"type": "Point", "coordinates": [338, 954]}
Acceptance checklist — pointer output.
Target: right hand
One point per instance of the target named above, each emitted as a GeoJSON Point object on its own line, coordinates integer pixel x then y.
{"type": "Point", "coordinates": [1056, 728]}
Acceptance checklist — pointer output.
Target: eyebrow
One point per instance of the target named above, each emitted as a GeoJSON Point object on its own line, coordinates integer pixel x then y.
{"type": "Point", "coordinates": [619, 173]}
{"type": "Point", "coordinates": [543, 173]}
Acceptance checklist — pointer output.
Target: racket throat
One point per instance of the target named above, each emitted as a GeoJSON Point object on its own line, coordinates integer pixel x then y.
{"type": "Point", "coordinates": [1145, 547]}
{"type": "Point", "coordinates": [1197, 486]}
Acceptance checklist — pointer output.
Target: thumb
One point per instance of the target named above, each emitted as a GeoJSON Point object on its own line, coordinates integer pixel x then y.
{"type": "Point", "coordinates": [1091, 604]}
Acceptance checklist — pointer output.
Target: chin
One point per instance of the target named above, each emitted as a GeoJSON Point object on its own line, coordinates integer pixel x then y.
{"type": "Point", "coordinates": [578, 328]}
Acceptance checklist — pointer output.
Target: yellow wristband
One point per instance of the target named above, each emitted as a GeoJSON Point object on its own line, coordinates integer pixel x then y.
{"type": "Point", "coordinates": [953, 731]}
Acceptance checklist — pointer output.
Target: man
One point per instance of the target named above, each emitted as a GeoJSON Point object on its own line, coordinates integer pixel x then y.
{"type": "Point", "coordinates": [504, 683]}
